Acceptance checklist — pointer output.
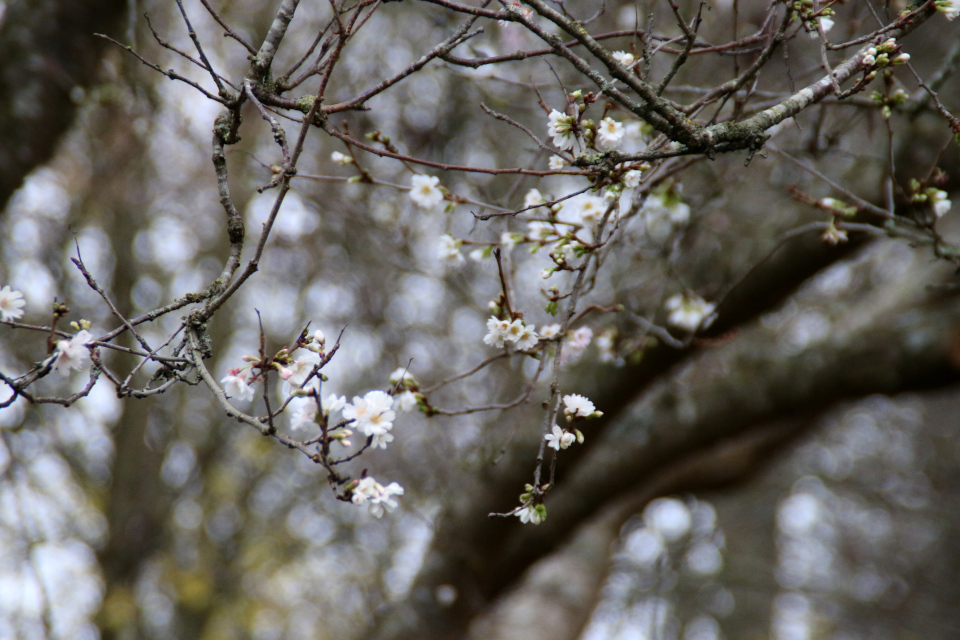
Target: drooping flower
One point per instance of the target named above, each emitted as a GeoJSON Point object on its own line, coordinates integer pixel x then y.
{"type": "Point", "coordinates": [577, 406]}
{"type": "Point", "coordinates": [949, 8]}
{"type": "Point", "coordinates": [448, 250]}
{"type": "Point", "coordinates": [688, 312]}
{"type": "Point", "coordinates": [379, 497]}
{"type": "Point", "coordinates": [11, 303]}
{"type": "Point", "coordinates": [609, 133]}
{"type": "Point", "coordinates": [234, 384]}
{"type": "Point", "coordinates": [560, 126]}
{"type": "Point", "coordinates": [531, 514]}
{"type": "Point", "coordinates": [425, 191]}
{"type": "Point", "coordinates": [939, 200]}
{"type": "Point", "coordinates": [407, 401]}
{"type": "Point", "coordinates": [833, 235]}
{"type": "Point", "coordinates": [73, 354]}
{"type": "Point", "coordinates": [301, 368]}
{"type": "Point", "coordinates": [497, 332]}
{"type": "Point", "coordinates": [559, 439]}
{"type": "Point", "coordinates": [624, 58]}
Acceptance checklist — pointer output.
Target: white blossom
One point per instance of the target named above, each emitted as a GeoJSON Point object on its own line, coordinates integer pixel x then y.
{"type": "Point", "coordinates": [533, 198]}
{"type": "Point", "coordinates": [497, 332]}
{"type": "Point", "coordinates": [301, 368]}
{"type": "Point", "coordinates": [825, 22]}
{"type": "Point", "coordinates": [605, 343]}
{"type": "Point", "coordinates": [609, 133]}
{"type": "Point", "coordinates": [448, 250]}
{"type": "Point", "coordinates": [304, 413]}
{"type": "Point", "coordinates": [73, 354]}
{"type": "Point", "coordinates": [624, 58]}
{"type": "Point", "coordinates": [372, 415]}
{"type": "Point", "coordinates": [333, 403]}
{"type": "Point", "coordinates": [402, 375]}
{"type": "Point", "coordinates": [379, 497]}
{"type": "Point", "coordinates": [560, 127]}
{"type": "Point", "coordinates": [528, 338]}
{"type": "Point", "coordinates": [580, 339]}
{"type": "Point", "coordinates": [939, 198]}
{"type": "Point", "coordinates": [559, 439]}
{"type": "Point", "coordinates": [11, 304]}
{"type": "Point", "coordinates": [425, 192]}
{"type": "Point", "coordinates": [549, 331]}
{"type": "Point", "coordinates": [341, 159]}
{"type": "Point", "coordinates": [949, 8]}
{"type": "Point", "coordinates": [632, 178]}
{"type": "Point", "coordinates": [577, 406]}
{"type": "Point", "coordinates": [407, 401]}
{"type": "Point", "coordinates": [539, 230]}
{"type": "Point", "coordinates": [530, 514]}
{"type": "Point", "coordinates": [556, 163]}
{"type": "Point", "coordinates": [234, 383]}
{"type": "Point", "coordinates": [585, 208]}
{"type": "Point", "coordinates": [688, 311]}
{"type": "Point", "coordinates": [509, 240]}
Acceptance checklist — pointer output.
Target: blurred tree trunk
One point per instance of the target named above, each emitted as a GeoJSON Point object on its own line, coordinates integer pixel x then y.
{"type": "Point", "coordinates": [47, 52]}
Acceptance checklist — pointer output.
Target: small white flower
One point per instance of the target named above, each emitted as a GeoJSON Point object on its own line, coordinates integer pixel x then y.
{"type": "Point", "coordinates": [497, 332]}
{"type": "Point", "coordinates": [833, 235]}
{"type": "Point", "coordinates": [304, 413]}
{"type": "Point", "coordinates": [556, 163]}
{"type": "Point", "coordinates": [402, 374]}
{"type": "Point", "coordinates": [624, 58]}
{"type": "Point", "coordinates": [560, 127]}
{"type": "Point", "coordinates": [73, 354]}
{"type": "Point", "coordinates": [318, 337]}
{"type": "Point", "coordinates": [538, 230]}
{"type": "Point", "coordinates": [301, 368]}
{"type": "Point", "coordinates": [609, 133]}
{"type": "Point", "coordinates": [333, 403]}
{"type": "Point", "coordinates": [528, 338]}
{"type": "Point", "coordinates": [825, 22]}
{"type": "Point", "coordinates": [341, 159]}
{"type": "Point", "coordinates": [372, 414]}
{"type": "Point", "coordinates": [448, 250]}
{"type": "Point", "coordinates": [579, 339]}
{"type": "Point", "coordinates": [381, 439]}
{"type": "Point", "coordinates": [11, 304]}
{"type": "Point", "coordinates": [379, 497]}
{"type": "Point", "coordinates": [949, 8]}
{"type": "Point", "coordinates": [509, 240]}
{"type": "Point", "coordinates": [632, 178]}
{"type": "Point", "coordinates": [407, 401]}
{"type": "Point", "coordinates": [585, 208]}
{"type": "Point", "coordinates": [533, 198]}
{"type": "Point", "coordinates": [605, 343]}
{"type": "Point", "coordinates": [559, 439]}
{"type": "Point", "coordinates": [688, 312]}
{"type": "Point", "coordinates": [578, 406]}
{"type": "Point", "coordinates": [939, 199]}
{"type": "Point", "coordinates": [234, 383]}
{"type": "Point", "coordinates": [425, 192]}
{"type": "Point", "coordinates": [530, 514]}
{"type": "Point", "coordinates": [549, 331]}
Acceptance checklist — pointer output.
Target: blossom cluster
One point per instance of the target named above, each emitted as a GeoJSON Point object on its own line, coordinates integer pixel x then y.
{"type": "Point", "coordinates": [576, 408]}
{"type": "Point", "coordinates": [501, 331]}
{"type": "Point", "coordinates": [380, 498]}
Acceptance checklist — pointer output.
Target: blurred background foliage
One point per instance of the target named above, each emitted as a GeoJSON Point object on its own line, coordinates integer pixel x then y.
{"type": "Point", "coordinates": [161, 518]}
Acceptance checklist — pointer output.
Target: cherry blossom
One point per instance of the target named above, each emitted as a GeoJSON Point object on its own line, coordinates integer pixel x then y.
{"type": "Point", "coordinates": [559, 439]}
{"type": "Point", "coordinates": [578, 406]}
{"type": "Point", "coordinates": [425, 191]}
{"type": "Point", "coordinates": [73, 354]}
{"type": "Point", "coordinates": [561, 128]}
{"type": "Point", "coordinates": [378, 497]}
{"type": "Point", "coordinates": [497, 332]}
{"type": "Point", "coordinates": [448, 250]}
{"type": "Point", "coordinates": [609, 133]}
{"type": "Point", "coordinates": [11, 304]}
{"type": "Point", "coordinates": [688, 312]}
